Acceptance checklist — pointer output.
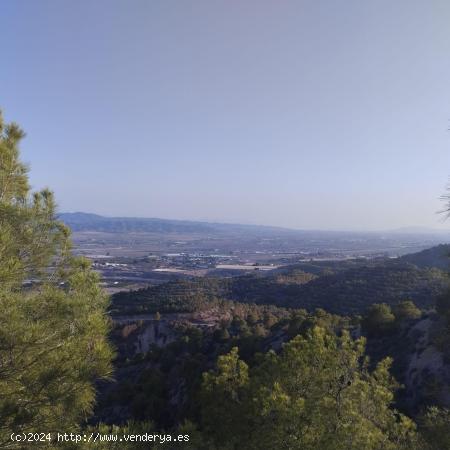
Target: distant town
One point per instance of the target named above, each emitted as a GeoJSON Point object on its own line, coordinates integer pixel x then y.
{"type": "Point", "coordinates": [133, 253]}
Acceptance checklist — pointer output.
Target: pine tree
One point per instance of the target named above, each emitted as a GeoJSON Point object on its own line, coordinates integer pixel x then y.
{"type": "Point", "coordinates": [317, 394]}
{"type": "Point", "coordinates": [407, 310]}
{"type": "Point", "coordinates": [53, 327]}
{"type": "Point", "coordinates": [435, 427]}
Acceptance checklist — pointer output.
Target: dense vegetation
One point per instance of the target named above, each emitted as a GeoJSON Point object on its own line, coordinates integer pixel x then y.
{"type": "Point", "coordinates": [202, 293]}
{"type": "Point", "coordinates": [179, 365]}
{"type": "Point", "coordinates": [353, 290]}
{"type": "Point", "coordinates": [347, 291]}
{"type": "Point", "coordinates": [53, 333]}
{"type": "Point", "coordinates": [435, 257]}
{"type": "Point", "coordinates": [255, 415]}
{"type": "Point", "coordinates": [316, 394]}
{"type": "Point", "coordinates": [275, 379]}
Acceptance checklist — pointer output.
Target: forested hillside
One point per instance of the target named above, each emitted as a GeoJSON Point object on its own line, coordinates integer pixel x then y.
{"type": "Point", "coordinates": [250, 389]}
{"type": "Point", "coordinates": [435, 257]}
{"type": "Point", "coordinates": [341, 291]}
{"type": "Point", "coordinates": [353, 290]}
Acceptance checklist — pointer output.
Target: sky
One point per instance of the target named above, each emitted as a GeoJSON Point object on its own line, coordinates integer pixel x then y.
{"type": "Point", "coordinates": [305, 114]}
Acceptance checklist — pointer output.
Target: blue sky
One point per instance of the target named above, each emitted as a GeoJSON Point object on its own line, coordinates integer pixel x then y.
{"type": "Point", "coordinates": [306, 114]}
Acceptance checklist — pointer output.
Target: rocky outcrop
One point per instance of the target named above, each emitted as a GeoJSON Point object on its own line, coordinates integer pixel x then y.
{"type": "Point", "coordinates": [428, 374]}
{"type": "Point", "coordinates": [136, 334]}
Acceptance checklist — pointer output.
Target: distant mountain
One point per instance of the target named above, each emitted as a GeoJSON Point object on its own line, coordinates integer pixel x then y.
{"type": "Point", "coordinates": [259, 237]}
{"type": "Point", "coordinates": [419, 230]}
{"type": "Point", "coordinates": [80, 221]}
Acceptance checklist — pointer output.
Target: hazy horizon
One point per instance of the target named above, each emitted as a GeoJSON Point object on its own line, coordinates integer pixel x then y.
{"type": "Point", "coordinates": [407, 229]}
{"type": "Point", "coordinates": [304, 115]}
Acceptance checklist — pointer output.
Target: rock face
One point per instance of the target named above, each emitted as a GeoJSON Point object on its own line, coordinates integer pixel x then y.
{"type": "Point", "coordinates": [428, 373]}
{"type": "Point", "coordinates": [156, 332]}
{"type": "Point", "coordinates": [422, 362]}
{"type": "Point", "coordinates": [136, 334]}
{"type": "Point", "coordinates": [132, 336]}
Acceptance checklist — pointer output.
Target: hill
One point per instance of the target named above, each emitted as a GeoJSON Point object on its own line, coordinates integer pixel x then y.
{"type": "Point", "coordinates": [346, 291]}
{"type": "Point", "coordinates": [352, 291]}
{"type": "Point", "coordinates": [437, 257]}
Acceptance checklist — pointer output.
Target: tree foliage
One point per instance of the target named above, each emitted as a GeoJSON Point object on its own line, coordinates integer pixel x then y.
{"type": "Point", "coordinates": [317, 394]}
{"type": "Point", "coordinates": [407, 310]}
{"type": "Point", "coordinates": [379, 319]}
{"type": "Point", "coordinates": [53, 327]}
{"type": "Point", "coordinates": [343, 291]}
{"type": "Point", "coordinates": [435, 427]}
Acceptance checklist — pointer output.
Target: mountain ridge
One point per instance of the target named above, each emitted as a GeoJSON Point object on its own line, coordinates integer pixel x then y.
{"type": "Point", "coordinates": [83, 221]}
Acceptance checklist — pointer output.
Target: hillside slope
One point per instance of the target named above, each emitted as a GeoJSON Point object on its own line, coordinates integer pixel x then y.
{"type": "Point", "coordinates": [436, 257]}
{"type": "Point", "coordinates": [344, 292]}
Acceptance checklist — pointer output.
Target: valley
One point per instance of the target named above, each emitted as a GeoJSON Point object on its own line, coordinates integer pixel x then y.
{"type": "Point", "coordinates": [184, 295]}
{"type": "Point", "coordinates": [132, 253]}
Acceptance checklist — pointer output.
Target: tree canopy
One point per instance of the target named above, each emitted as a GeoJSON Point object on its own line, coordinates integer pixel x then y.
{"type": "Point", "coordinates": [53, 327]}
{"type": "Point", "coordinates": [317, 394]}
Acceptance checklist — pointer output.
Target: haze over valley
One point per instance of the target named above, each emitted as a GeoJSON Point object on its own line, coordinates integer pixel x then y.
{"type": "Point", "coordinates": [137, 251]}
{"type": "Point", "coordinates": [225, 225]}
